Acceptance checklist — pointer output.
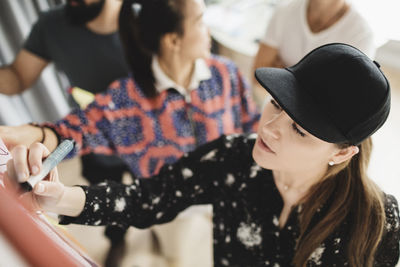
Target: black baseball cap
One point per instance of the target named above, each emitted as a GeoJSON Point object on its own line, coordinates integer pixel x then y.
{"type": "Point", "coordinates": [335, 92]}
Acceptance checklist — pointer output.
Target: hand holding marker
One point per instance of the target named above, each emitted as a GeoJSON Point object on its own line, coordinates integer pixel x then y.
{"type": "Point", "coordinates": [48, 164]}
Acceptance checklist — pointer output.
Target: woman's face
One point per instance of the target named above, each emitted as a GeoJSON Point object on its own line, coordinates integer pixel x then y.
{"type": "Point", "coordinates": [282, 145]}
{"type": "Point", "coordinates": [196, 41]}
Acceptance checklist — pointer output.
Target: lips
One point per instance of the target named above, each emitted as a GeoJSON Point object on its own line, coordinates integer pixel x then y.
{"type": "Point", "coordinates": [73, 3]}
{"type": "Point", "coordinates": [264, 146]}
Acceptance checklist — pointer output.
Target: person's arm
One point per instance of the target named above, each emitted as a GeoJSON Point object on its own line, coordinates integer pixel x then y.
{"type": "Point", "coordinates": [267, 56]}
{"type": "Point", "coordinates": [250, 114]}
{"type": "Point", "coordinates": [28, 134]}
{"type": "Point", "coordinates": [197, 178]}
{"type": "Point", "coordinates": [22, 73]}
{"type": "Point", "coordinates": [94, 129]}
{"type": "Point", "coordinates": [102, 126]}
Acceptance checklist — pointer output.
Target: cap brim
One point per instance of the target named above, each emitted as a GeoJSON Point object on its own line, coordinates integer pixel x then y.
{"type": "Point", "coordinates": [297, 103]}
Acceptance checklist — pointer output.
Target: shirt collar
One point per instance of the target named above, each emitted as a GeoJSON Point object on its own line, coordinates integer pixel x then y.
{"type": "Point", "coordinates": [201, 72]}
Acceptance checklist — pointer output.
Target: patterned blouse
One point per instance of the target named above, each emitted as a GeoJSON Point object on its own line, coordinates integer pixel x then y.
{"type": "Point", "coordinates": [246, 207]}
{"type": "Point", "coordinates": [150, 132]}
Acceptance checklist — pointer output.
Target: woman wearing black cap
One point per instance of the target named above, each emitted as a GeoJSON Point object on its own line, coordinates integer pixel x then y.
{"type": "Point", "coordinates": [177, 97]}
{"type": "Point", "coordinates": [304, 200]}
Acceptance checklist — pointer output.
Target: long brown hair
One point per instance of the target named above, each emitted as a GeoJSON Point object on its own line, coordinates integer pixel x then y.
{"type": "Point", "coordinates": [356, 199]}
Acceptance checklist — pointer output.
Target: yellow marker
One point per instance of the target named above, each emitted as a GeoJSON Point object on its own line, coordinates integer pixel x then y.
{"type": "Point", "coordinates": [82, 97]}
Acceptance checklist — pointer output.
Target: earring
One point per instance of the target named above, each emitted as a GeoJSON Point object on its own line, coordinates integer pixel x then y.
{"type": "Point", "coordinates": [331, 163]}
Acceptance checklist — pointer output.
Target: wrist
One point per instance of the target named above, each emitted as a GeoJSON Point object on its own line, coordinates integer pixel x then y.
{"type": "Point", "coordinates": [44, 135]}
{"type": "Point", "coordinates": [71, 202]}
{"type": "Point", "coordinates": [41, 137]}
{"type": "Point", "coordinates": [51, 141]}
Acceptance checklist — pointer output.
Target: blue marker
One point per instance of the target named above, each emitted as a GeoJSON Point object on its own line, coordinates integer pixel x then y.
{"type": "Point", "coordinates": [49, 163]}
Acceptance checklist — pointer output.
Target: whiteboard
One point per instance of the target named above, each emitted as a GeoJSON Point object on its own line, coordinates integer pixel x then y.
{"type": "Point", "coordinates": [31, 234]}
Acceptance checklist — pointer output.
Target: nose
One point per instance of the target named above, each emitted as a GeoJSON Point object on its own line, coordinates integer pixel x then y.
{"type": "Point", "coordinates": [274, 126]}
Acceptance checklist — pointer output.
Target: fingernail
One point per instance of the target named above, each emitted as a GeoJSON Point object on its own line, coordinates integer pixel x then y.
{"type": "Point", "coordinates": [39, 188]}
{"type": "Point", "coordinates": [21, 177]}
{"type": "Point", "coordinates": [35, 169]}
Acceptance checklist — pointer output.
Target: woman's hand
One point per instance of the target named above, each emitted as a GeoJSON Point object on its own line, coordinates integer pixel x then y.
{"type": "Point", "coordinates": [47, 194]}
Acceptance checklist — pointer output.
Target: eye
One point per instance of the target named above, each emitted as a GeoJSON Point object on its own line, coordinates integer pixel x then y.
{"type": "Point", "coordinates": [297, 130]}
{"type": "Point", "coordinates": [273, 102]}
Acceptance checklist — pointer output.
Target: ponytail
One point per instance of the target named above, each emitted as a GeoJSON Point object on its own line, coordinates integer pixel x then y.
{"type": "Point", "coordinates": [138, 56]}
{"type": "Point", "coordinates": [142, 24]}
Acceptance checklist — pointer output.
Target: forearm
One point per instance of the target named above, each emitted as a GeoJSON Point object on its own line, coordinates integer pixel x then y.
{"type": "Point", "coordinates": [147, 202]}
{"type": "Point", "coordinates": [50, 140]}
{"type": "Point", "coordinates": [10, 83]}
{"type": "Point", "coordinates": [41, 134]}
{"type": "Point", "coordinates": [267, 56]}
{"type": "Point", "coordinates": [26, 135]}
{"type": "Point", "coordinates": [192, 180]}
{"type": "Point", "coordinates": [82, 126]}
{"type": "Point", "coordinates": [114, 203]}
{"type": "Point", "coordinates": [250, 111]}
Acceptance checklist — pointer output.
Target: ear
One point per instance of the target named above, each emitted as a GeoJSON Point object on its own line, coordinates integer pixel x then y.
{"type": "Point", "coordinates": [171, 42]}
{"type": "Point", "coordinates": [344, 154]}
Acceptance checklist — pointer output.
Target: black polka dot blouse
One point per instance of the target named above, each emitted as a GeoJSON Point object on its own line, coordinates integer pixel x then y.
{"type": "Point", "coordinates": [246, 208]}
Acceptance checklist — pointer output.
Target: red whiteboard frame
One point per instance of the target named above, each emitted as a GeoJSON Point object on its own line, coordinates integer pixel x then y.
{"type": "Point", "coordinates": [37, 242]}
